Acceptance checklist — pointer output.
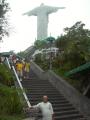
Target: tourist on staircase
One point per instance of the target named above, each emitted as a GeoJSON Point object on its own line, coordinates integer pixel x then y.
{"type": "Point", "coordinates": [19, 69]}
{"type": "Point", "coordinates": [26, 69]}
{"type": "Point", "coordinates": [46, 109]}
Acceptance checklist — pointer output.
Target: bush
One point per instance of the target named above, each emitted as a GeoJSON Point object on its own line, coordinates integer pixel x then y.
{"type": "Point", "coordinates": [6, 76]}
{"type": "Point", "coordinates": [9, 101]}
{"type": "Point", "coordinates": [38, 58]}
{"type": "Point", "coordinates": [14, 117]}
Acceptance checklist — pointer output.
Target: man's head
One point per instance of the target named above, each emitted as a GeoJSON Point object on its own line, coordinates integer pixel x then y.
{"type": "Point", "coordinates": [45, 99]}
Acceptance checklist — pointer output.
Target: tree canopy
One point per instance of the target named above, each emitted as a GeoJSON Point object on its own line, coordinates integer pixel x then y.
{"type": "Point", "coordinates": [40, 44]}
{"type": "Point", "coordinates": [75, 44]}
{"type": "Point", "coordinates": [4, 8]}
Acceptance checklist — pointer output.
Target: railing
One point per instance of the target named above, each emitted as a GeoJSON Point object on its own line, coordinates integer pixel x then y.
{"type": "Point", "coordinates": [20, 85]}
{"type": "Point", "coordinates": [24, 94]}
{"type": "Point", "coordinates": [8, 63]}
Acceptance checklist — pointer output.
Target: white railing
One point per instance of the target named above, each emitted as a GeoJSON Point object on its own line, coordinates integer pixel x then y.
{"type": "Point", "coordinates": [20, 85]}
{"type": "Point", "coordinates": [24, 94]}
{"type": "Point", "coordinates": [8, 63]}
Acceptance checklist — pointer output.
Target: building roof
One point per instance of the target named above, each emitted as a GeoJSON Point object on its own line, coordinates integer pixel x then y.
{"type": "Point", "coordinates": [5, 54]}
{"type": "Point", "coordinates": [78, 69]}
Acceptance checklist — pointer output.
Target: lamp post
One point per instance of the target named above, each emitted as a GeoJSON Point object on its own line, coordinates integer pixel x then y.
{"type": "Point", "coordinates": [50, 39]}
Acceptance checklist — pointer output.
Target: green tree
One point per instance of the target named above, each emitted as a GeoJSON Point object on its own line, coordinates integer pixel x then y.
{"type": "Point", "coordinates": [4, 8]}
{"type": "Point", "coordinates": [75, 44]}
{"type": "Point", "coordinates": [39, 44]}
{"type": "Point", "coordinates": [61, 42]}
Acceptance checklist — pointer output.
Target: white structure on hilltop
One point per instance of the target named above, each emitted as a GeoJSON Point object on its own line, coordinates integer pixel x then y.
{"type": "Point", "coordinates": [46, 52]}
{"type": "Point", "coordinates": [42, 13]}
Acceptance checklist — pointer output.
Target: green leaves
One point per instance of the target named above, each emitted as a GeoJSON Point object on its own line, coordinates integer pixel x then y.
{"type": "Point", "coordinates": [9, 101]}
{"type": "Point", "coordinates": [4, 8]}
{"type": "Point", "coordinates": [39, 44]}
{"type": "Point", "coordinates": [7, 77]}
{"type": "Point", "coordinates": [75, 44]}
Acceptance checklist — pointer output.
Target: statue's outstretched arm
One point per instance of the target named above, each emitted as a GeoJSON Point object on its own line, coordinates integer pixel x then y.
{"type": "Point", "coordinates": [32, 12]}
{"type": "Point", "coordinates": [54, 9]}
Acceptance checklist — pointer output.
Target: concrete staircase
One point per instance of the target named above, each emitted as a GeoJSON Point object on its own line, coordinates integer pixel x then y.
{"type": "Point", "coordinates": [36, 88]}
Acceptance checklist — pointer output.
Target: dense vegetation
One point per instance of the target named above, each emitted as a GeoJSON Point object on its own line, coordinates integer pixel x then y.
{"type": "Point", "coordinates": [4, 8]}
{"type": "Point", "coordinates": [74, 46]}
{"type": "Point", "coordinates": [41, 44]}
{"type": "Point", "coordinates": [6, 77]}
{"type": "Point", "coordinates": [10, 104]}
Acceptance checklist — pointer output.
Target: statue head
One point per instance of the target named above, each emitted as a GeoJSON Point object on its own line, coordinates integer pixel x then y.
{"type": "Point", "coordinates": [42, 4]}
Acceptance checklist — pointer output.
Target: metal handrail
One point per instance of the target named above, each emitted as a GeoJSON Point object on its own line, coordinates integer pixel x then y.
{"type": "Point", "coordinates": [8, 63]}
{"type": "Point", "coordinates": [24, 94]}
{"type": "Point", "coordinates": [21, 87]}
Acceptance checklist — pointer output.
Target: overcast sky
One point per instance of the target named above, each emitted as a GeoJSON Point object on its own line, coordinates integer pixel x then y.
{"type": "Point", "coordinates": [24, 29]}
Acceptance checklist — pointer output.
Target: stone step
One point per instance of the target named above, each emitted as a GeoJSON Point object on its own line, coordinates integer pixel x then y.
{"type": "Point", "coordinates": [66, 112]}
{"type": "Point", "coordinates": [34, 80]}
{"type": "Point", "coordinates": [49, 96]}
{"type": "Point", "coordinates": [43, 92]}
{"type": "Point", "coordinates": [38, 88]}
{"type": "Point", "coordinates": [65, 108]}
{"type": "Point", "coordinates": [59, 98]}
{"type": "Point", "coordinates": [69, 117]}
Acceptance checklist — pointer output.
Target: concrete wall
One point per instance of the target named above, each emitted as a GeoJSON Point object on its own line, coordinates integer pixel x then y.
{"type": "Point", "coordinates": [77, 99]}
{"type": "Point", "coordinates": [38, 71]}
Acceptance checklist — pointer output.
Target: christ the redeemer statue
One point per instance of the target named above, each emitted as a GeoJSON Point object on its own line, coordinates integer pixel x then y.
{"type": "Point", "coordinates": [42, 13]}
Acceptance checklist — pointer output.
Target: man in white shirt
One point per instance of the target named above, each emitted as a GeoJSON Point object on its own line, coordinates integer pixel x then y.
{"type": "Point", "coordinates": [46, 109]}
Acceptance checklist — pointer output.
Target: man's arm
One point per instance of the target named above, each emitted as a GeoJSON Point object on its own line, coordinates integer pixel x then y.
{"type": "Point", "coordinates": [32, 108]}
{"type": "Point", "coordinates": [35, 106]}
